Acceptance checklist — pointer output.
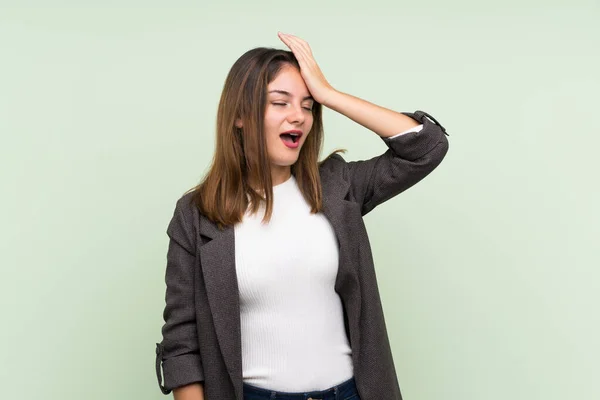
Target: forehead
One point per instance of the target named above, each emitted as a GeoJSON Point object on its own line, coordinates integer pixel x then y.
{"type": "Point", "coordinates": [290, 80]}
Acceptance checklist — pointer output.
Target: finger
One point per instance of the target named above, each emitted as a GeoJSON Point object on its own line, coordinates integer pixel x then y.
{"type": "Point", "coordinates": [299, 53]}
{"type": "Point", "coordinates": [284, 39]}
{"type": "Point", "coordinates": [301, 42]}
{"type": "Point", "coordinates": [298, 48]}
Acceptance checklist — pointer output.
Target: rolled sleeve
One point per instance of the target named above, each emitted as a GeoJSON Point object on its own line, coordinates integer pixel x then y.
{"type": "Point", "coordinates": [416, 145]}
{"type": "Point", "coordinates": [410, 157]}
{"type": "Point", "coordinates": [178, 371]}
{"type": "Point", "coordinates": [414, 129]}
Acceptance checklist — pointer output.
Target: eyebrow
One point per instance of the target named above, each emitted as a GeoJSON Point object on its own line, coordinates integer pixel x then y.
{"type": "Point", "coordinates": [290, 95]}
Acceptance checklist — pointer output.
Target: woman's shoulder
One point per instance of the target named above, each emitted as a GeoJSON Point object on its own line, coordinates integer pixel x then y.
{"type": "Point", "coordinates": [333, 162]}
{"type": "Point", "coordinates": [334, 167]}
{"type": "Point", "coordinates": [186, 204]}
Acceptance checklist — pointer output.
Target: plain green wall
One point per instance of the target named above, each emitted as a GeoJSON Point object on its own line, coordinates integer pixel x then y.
{"type": "Point", "coordinates": [488, 269]}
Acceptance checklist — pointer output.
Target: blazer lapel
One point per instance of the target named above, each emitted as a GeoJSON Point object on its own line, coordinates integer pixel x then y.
{"type": "Point", "coordinates": [217, 256]}
{"type": "Point", "coordinates": [217, 259]}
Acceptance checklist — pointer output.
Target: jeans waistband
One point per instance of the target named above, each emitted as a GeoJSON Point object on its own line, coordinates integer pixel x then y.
{"type": "Point", "coordinates": [333, 393]}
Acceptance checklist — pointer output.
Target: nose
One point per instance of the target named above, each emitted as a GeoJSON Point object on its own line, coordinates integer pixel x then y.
{"type": "Point", "coordinates": [296, 115]}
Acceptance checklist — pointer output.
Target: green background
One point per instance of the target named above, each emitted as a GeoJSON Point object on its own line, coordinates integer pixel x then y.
{"type": "Point", "coordinates": [488, 269]}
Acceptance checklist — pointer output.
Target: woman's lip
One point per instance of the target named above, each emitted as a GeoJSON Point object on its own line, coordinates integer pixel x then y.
{"type": "Point", "coordinates": [291, 145]}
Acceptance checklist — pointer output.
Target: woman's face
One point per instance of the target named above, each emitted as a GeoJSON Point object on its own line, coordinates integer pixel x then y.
{"type": "Point", "coordinates": [285, 112]}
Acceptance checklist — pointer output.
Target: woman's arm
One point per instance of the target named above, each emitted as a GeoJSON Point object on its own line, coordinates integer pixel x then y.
{"type": "Point", "coordinates": [193, 391]}
{"type": "Point", "coordinates": [179, 351]}
{"type": "Point", "coordinates": [380, 120]}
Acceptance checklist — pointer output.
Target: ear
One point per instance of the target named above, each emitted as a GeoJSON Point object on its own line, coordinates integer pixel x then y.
{"type": "Point", "coordinates": [238, 123]}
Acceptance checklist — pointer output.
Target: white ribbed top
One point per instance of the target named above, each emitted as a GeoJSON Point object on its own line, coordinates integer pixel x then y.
{"type": "Point", "coordinates": [292, 320]}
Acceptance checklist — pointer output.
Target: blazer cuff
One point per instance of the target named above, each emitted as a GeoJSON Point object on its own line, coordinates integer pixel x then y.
{"type": "Point", "coordinates": [178, 371]}
{"type": "Point", "coordinates": [414, 145]}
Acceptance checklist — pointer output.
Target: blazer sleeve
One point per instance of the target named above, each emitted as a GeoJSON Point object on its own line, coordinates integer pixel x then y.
{"type": "Point", "coordinates": [179, 350]}
{"type": "Point", "coordinates": [410, 157]}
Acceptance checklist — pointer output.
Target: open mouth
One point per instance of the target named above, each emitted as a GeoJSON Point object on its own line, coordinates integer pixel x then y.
{"type": "Point", "coordinates": [290, 137]}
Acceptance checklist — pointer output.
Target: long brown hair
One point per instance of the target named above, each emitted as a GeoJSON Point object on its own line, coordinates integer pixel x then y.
{"type": "Point", "coordinates": [224, 194]}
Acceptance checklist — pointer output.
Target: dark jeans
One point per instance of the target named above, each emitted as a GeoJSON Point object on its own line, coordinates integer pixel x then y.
{"type": "Point", "coordinates": [344, 391]}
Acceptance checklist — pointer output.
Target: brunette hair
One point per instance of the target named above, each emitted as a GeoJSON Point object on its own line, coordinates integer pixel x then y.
{"type": "Point", "coordinates": [240, 157]}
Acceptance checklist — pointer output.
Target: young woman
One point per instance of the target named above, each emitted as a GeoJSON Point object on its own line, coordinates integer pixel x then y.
{"type": "Point", "coordinates": [271, 289]}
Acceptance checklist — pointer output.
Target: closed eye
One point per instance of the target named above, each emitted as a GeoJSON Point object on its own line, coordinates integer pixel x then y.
{"type": "Point", "coordinates": [283, 104]}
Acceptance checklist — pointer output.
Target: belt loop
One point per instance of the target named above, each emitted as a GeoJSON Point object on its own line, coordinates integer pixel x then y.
{"type": "Point", "coordinates": [420, 113]}
{"type": "Point", "coordinates": [159, 353]}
